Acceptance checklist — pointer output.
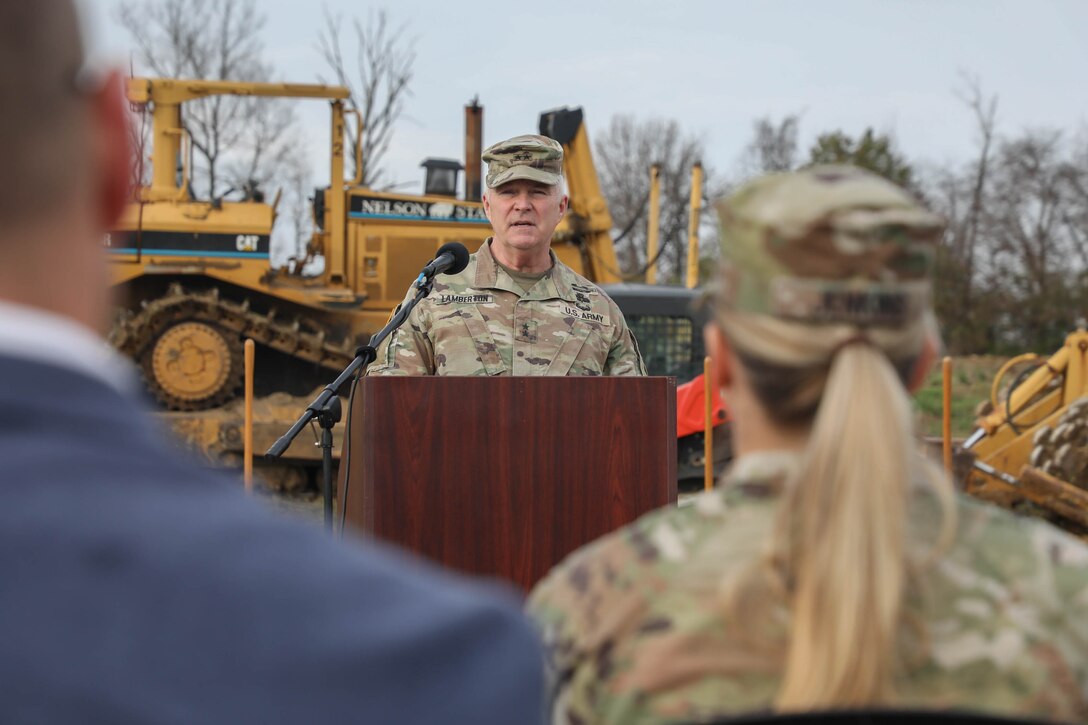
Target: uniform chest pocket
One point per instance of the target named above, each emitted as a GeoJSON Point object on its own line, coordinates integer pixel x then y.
{"type": "Point", "coordinates": [584, 350]}
{"type": "Point", "coordinates": [477, 341]}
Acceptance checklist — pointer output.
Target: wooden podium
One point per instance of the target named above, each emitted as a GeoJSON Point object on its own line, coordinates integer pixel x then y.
{"type": "Point", "coordinates": [506, 476]}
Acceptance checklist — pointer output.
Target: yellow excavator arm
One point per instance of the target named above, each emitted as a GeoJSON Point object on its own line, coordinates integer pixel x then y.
{"type": "Point", "coordinates": [588, 223]}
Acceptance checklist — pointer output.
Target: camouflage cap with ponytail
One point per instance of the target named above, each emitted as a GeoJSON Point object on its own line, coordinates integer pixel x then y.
{"type": "Point", "coordinates": [827, 244]}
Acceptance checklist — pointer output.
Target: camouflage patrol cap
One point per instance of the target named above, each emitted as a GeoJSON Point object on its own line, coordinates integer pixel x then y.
{"type": "Point", "coordinates": [827, 244]}
{"type": "Point", "coordinates": [537, 158]}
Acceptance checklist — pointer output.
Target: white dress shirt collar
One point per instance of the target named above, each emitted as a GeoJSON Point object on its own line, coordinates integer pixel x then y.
{"type": "Point", "coordinates": [36, 335]}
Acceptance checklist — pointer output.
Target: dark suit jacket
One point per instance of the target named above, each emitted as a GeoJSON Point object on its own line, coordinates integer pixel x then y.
{"type": "Point", "coordinates": [136, 587]}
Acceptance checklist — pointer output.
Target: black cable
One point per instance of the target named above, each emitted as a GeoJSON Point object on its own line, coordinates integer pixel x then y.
{"type": "Point", "coordinates": [640, 273]}
{"type": "Point", "coordinates": [1017, 381]}
{"type": "Point", "coordinates": [636, 275]}
{"type": "Point", "coordinates": [634, 219]}
{"type": "Point", "coordinates": [345, 453]}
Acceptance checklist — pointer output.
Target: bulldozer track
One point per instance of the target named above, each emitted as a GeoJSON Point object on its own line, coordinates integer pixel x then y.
{"type": "Point", "coordinates": [1061, 450]}
{"type": "Point", "coordinates": [135, 335]}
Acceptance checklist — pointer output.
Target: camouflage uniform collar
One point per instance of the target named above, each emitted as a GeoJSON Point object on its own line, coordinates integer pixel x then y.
{"type": "Point", "coordinates": [763, 473]}
{"type": "Point", "coordinates": [489, 275]}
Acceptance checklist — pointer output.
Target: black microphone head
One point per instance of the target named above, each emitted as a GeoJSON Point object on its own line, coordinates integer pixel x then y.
{"type": "Point", "coordinates": [459, 254]}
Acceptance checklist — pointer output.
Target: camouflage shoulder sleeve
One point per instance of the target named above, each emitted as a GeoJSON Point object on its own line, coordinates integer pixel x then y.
{"type": "Point", "coordinates": [408, 350]}
{"type": "Point", "coordinates": [559, 607]}
{"type": "Point", "coordinates": [624, 357]}
{"type": "Point", "coordinates": [1069, 559]}
{"type": "Point", "coordinates": [1033, 578]}
{"type": "Point", "coordinates": [588, 600]}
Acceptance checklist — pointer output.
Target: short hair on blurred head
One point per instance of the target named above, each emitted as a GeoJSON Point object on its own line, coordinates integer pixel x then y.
{"type": "Point", "coordinates": [42, 116]}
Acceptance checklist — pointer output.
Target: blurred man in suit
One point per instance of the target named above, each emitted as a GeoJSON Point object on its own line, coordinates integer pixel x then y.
{"type": "Point", "coordinates": [137, 587]}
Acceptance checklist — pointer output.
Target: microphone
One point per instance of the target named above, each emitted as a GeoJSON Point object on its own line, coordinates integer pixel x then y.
{"type": "Point", "coordinates": [452, 257]}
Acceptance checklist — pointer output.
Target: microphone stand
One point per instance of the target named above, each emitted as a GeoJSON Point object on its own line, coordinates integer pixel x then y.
{"type": "Point", "coordinates": [326, 406]}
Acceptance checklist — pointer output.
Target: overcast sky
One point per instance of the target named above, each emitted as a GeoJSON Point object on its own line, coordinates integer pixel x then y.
{"type": "Point", "coordinates": [713, 66]}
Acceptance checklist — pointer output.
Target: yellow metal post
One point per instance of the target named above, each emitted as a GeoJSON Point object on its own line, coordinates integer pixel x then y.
{"type": "Point", "coordinates": [166, 153]}
{"type": "Point", "coordinates": [946, 414]}
{"type": "Point", "coordinates": [654, 224]}
{"type": "Point", "coordinates": [708, 426]}
{"type": "Point", "coordinates": [693, 223]}
{"type": "Point", "coordinates": [336, 201]}
{"type": "Point", "coordinates": [247, 426]}
{"type": "Point", "coordinates": [357, 153]}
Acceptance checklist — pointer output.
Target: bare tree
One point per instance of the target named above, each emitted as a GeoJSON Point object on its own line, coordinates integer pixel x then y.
{"type": "Point", "coordinates": [961, 193]}
{"type": "Point", "coordinates": [294, 212]}
{"type": "Point", "coordinates": [263, 154]}
{"type": "Point", "coordinates": [773, 146]}
{"type": "Point", "coordinates": [1032, 224]}
{"type": "Point", "coordinates": [624, 154]}
{"type": "Point", "coordinates": [139, 138]}
{"type": "Point", "coordinates": [384, 61]}
{"type": "Point", "coordinates": [1012, 270]}
{"type": "Point", "coordinates": [215, 40]}
{"type": "Point", "coordinates": [1076, 218]}
{"type": "Point", "coordinates": [965, 237]}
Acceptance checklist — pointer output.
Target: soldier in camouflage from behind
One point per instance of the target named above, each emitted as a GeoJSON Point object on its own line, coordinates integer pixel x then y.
{"type": "Point", "coordinates": [516, 309]}
{"type": "Point", "coordinates": [834, 567]}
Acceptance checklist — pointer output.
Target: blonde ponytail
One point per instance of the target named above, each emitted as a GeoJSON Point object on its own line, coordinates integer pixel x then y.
{"type": "Point", "coordinates": [838, 554]}
{"type": "Point", "coordinates": [843, 525]}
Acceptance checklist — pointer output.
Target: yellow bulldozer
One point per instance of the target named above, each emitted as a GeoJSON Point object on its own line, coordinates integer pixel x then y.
{"type": "Point", "coordinates": [1030, 449]}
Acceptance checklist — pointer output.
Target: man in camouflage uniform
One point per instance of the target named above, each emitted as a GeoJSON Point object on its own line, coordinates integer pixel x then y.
{"type": "Point", "coordinates": [515, 309]}
{"type": "Point", "coordinates": [635, 622]}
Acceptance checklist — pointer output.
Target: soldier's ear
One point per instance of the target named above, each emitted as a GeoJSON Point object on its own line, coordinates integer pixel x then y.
{"type": "Point", "coordinates": [931, 348]}
{"type": "Point", "coordinates": [113, 148]}
{"type": "Point", "coordinates": [563, 204]}
{"type": "Point", "coordinates": [487, 204]}
{"type": "Point", "coordinates": [721, 359]}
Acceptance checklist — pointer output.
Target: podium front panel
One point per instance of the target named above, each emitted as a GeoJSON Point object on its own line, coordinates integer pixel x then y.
{"type": "Point", "coordinates": [505, 476]}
